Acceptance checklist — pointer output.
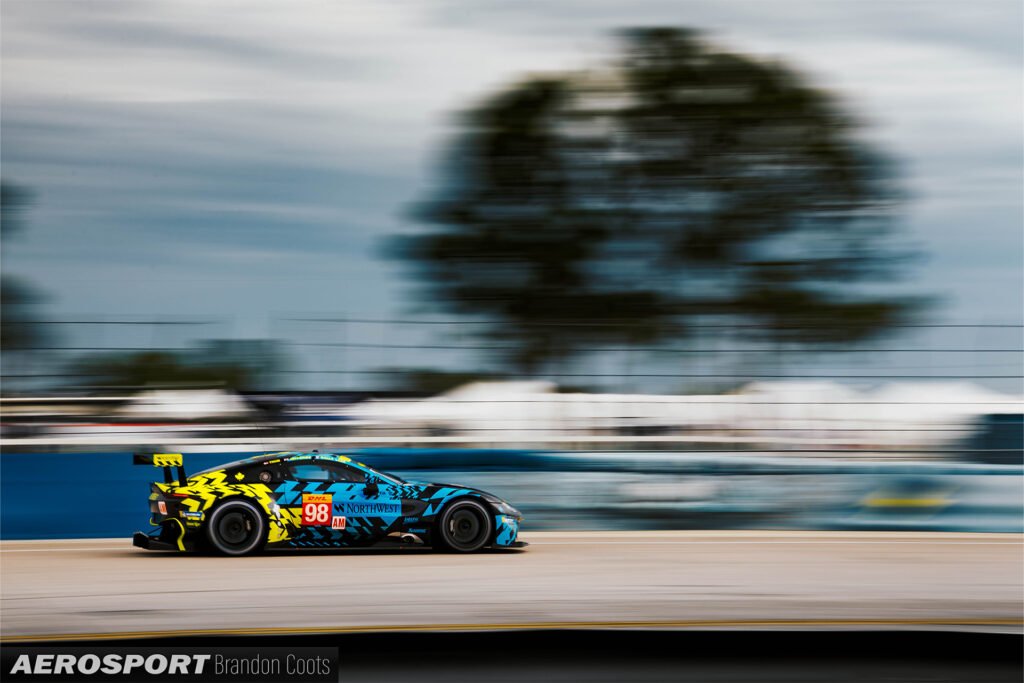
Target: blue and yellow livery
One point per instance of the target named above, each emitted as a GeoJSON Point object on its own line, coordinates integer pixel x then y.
{"type": "Point", "coordinates": [315, 500]}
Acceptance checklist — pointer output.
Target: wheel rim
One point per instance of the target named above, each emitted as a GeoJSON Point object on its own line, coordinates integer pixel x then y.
{"type": "Point", "coordinates": [237, 528]}
{"type": "Point", "coordinates": [465, 527]}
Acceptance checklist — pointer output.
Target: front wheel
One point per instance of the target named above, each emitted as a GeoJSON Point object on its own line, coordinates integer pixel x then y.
{"type": "Point", "coordinates": [236, 527]}
{"type": "Point", "coordinates": [465, 527]}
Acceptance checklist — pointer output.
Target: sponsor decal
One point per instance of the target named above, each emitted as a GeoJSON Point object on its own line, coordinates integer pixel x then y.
{"type": "Point", "coordinates": [376, 508]}
{"type": "Point", "coordinates": [88, 664]}
{"type": "Point", "coordinates": [316, 509]}
{"type": "Point", "coordinates": [191, 515]}
{"type": "Point", "coordinates": [337, 522]}
{"type": "Point", "coordinates": [239, 476]}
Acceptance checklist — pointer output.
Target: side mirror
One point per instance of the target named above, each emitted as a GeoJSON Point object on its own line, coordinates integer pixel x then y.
{"type": "Point", "coordinates": [372, 489]}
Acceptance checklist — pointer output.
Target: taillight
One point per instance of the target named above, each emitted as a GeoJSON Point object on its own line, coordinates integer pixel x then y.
{"type": "Point", "coordinates": [179, 495]}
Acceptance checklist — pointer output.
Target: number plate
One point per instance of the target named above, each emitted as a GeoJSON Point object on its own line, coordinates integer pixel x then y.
{"type": "Point", "coordinates": [316, 509]}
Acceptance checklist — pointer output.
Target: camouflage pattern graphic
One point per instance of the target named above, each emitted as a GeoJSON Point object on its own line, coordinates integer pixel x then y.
{"type": "Point", "coordinates": [311, 500]}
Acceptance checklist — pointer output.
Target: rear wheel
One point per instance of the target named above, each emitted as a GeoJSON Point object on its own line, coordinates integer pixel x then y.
{"type": "Point", "coordinates": [236, 527]}
{"type": "Point", "coordinates": [465, 526]}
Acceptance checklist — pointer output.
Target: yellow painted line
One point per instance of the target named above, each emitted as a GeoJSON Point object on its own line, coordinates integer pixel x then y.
{"type": "Point", "coordinates": [906, 502]}
{"type": "Point", "coordinates": [541, 625]}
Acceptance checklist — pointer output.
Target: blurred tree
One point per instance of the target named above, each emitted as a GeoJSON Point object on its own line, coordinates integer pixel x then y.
{"type": "Point", "coordinates": [432, 381]}
{"type": "Point", "coordinates": [13, 201]}
{"type": "Point", "coordinates": [633, 203]}
{"type": "Point", "coordinates": [19, 328]}
{"type": "Point", "coordinates": [155, 368]}
{"type": "Point", "coordinates": [232, 364]}
{"type": "Point", "coordinates": [259, 360]}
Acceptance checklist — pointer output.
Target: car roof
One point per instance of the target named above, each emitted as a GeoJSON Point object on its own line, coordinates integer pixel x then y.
{"type": "Point", "coordinates": [282, 456]}
{"type": "Point", "coordinates": [295, 455]}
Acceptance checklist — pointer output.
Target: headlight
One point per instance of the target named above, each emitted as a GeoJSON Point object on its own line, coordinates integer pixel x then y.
{"type": "Point", "coordinates": [506, 509]}
{"type": "Point", "coordinates": [502, 507]}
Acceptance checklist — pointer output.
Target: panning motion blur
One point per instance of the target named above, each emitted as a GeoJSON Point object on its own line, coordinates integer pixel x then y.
{"type": "Point", "coordinates": [315, 500]}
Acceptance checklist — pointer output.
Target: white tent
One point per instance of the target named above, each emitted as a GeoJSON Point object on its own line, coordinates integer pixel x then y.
{"type": "Point", "coordinates": [185, 404]}
{"type": "Point", "coordinates": [807, 413]}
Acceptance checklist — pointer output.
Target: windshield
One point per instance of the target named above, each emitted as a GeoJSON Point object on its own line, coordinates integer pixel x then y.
{"type": "Point", "coordinates": [387, 475]}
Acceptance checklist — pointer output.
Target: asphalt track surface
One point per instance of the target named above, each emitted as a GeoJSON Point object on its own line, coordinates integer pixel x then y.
{"type": "Point", "coordinates": [104, 588]}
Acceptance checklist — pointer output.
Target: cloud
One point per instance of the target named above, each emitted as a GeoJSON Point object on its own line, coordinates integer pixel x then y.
{"type": "Point", "coordinates": [267, 146]}
{"type": "Point", "coordinates": [991, 28]}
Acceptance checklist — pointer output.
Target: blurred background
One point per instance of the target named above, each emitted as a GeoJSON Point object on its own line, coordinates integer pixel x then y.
{"type": "Point", "coordinates": [659, 266]}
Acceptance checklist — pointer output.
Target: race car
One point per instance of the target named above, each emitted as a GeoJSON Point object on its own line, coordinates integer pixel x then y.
{"type": "Point", "coordinates": [315, 500]}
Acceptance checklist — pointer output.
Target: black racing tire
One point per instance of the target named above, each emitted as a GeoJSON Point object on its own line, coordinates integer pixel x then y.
{"type": "Point", "coordinates": [464, 526]}
{"type": "Point", "coordinates": [236, 527]}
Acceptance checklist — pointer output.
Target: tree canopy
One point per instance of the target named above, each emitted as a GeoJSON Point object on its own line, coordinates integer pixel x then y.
{"type": "Point", "coordinates": [20, 329]}
{"type": "Point", "coordinates": [232, 364]}
{"type": "Point", "coordinates": [630, 204]}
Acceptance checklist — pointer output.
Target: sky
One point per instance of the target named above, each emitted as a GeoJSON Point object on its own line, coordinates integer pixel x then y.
{"type": "Point", "coordinates": [242, 162]}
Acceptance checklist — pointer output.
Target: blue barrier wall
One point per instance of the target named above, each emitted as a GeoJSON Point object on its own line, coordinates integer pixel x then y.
{"type": "Point", "coordinates": [96, 495]}
{"type": "Point", "coordinates": [80, 495]}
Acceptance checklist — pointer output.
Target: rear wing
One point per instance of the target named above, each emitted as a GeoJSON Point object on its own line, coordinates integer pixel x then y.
{"type": "Point", "coordinates": [165, 460]}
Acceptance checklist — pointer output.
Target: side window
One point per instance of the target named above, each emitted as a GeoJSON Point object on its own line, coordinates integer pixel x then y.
{"type": "Point", "coordinates": [326, 471]}
{"type": "Point", "coordinates": [350, 473]}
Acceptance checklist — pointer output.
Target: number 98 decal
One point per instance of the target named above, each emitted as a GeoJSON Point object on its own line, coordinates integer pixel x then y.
{"type": "Point", "coordinates": [316, 509]}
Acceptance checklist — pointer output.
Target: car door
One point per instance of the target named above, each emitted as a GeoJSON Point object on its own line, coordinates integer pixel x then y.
{"type": "Point", "coordinates": [341, 505]}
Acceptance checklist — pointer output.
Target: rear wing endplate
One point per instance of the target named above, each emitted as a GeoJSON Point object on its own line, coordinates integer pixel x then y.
{"type": "Point", "coordinates": [165, 460]}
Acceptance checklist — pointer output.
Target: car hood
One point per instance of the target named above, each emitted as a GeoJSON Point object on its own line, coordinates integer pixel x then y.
{"type": "Point", "coordinates": [453, 486]}
{"type": "Point", "coordinates": [485, 494]}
